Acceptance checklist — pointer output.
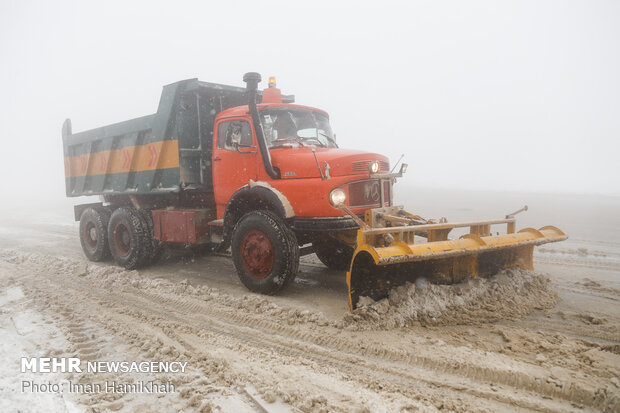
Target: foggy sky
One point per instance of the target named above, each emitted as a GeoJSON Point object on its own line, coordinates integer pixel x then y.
{"type": "Point", "coordinates": [520, 95]}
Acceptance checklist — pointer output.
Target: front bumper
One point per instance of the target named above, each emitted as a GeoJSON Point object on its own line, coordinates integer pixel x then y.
{"type": "Point", "coordinates": [322, 224]}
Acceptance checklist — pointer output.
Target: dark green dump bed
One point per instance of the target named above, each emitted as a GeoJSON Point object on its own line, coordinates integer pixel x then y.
{"type": "Point", "coordinates": [160, 153]}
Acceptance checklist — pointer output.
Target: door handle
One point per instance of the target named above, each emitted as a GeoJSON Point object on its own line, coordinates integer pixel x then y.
{"type": "Point", "coordinates": [217, 159]}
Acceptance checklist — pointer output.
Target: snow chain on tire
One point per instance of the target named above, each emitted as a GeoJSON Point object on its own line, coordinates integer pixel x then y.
{"type": "Point", "coordinates": [128, 237]}
{"type": "Point", "coordinates": [284, 248]}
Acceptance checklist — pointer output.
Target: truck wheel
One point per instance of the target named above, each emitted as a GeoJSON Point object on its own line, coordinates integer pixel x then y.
{"type": "Point", "coordinates": [154, 248]}
{"type": "Point", "coordinates": [94, 233]}
{"type": "Point", "coordinates": [128, 238]}
{"type": "Point", "coordinates": [333, 253]}
{"type": "Point", "coordinates": [265, 252]}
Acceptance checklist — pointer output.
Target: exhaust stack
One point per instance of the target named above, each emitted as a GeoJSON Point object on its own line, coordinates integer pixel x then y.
{"type": "Point", "coordinates": [252, 79]}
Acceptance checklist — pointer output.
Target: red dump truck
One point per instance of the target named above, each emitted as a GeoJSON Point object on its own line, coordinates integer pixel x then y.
{"type": "Point", "coordinates": [250, 170]}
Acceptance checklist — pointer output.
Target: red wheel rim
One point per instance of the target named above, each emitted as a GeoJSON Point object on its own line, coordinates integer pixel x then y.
{"type": "Point", "coordinates": [89, 235]}
{"type": "Point", "coordinates": [122, 239]}
{"type": "Point", "coordinates": [257, 254]}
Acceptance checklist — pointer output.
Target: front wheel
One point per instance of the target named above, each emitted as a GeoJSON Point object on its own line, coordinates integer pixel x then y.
{"type": "Point", "coordinates": [333, 253]}
{"type": "Point", "coordinates": [265, 252]}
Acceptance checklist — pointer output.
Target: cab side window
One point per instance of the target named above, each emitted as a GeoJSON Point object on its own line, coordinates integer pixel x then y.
{"type": "Point", "coordinates": [231, 131]}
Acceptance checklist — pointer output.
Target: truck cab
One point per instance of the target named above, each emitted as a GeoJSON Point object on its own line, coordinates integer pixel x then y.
{"type": "Point", "coordinates": [283, 158]}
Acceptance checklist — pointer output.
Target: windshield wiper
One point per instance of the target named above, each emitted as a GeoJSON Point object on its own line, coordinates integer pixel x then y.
{"type": "Point", "coordinates": [295, 139]}
{"type": "Point", "coordinates": [329, 138]}
{"type": "Point", "coordinates": [312, 138]}
{"type": "Point", "coordinates": [284, 145]}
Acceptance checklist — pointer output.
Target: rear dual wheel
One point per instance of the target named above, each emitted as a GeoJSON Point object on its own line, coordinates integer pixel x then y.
{"type": "Point", "coordinates": [265, 252]}
{"type": "Point", "coordinates": [94, 233]}
{"type": "Point", "coordinates": [155, 249]}
{"type": "Point", "coordinates": [129, 238]}
{"type": "Point", "coordinates": [126, 234]}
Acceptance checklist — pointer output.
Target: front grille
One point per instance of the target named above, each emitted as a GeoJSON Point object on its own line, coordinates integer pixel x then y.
{"type": "Point", "coordinates": [363, 166]}
{"type": "Point", "coordinates": [367, 193]}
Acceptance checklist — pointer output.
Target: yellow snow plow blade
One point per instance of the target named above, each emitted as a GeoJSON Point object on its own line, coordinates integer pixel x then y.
{"type": "Point", "coordinates": [390, 256]}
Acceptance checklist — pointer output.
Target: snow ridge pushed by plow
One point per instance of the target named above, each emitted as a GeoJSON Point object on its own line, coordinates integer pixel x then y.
{"type": "Point", "coordinates": [509, 295]}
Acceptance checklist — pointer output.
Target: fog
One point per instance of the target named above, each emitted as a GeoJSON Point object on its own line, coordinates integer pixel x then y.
{"type": "Point", "coordinates": [503, 96]}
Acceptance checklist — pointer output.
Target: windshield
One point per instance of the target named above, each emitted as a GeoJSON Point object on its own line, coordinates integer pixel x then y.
{"type": "Point", "coordinates": [303, 127]}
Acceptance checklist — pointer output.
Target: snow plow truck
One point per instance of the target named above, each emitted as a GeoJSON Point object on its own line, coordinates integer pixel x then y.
{"type": "Point", "coordinates": [251, 171]}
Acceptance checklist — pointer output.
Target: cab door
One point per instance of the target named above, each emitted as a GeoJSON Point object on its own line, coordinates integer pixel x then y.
{"type": "Point", "coordinates": [235, 156]}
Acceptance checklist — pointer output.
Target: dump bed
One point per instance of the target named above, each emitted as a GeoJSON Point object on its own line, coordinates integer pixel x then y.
{"type": "Point", "coordinates": [159, 153]}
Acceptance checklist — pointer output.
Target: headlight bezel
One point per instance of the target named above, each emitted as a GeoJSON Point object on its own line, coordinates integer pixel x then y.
{"type": "Point", "coordinates": [342, 197]}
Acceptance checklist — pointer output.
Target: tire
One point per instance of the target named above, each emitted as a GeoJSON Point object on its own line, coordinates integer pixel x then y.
{"type": "Point", "coordinates": [265, 252]}
{"type": "Point", "coordinates": [128, 238]}
{"type": "Point", "coordinates": [94, 233]}
{"type": "Point", "coordinates": [155, 249]}
{"type": "Point", "coordinates": [333, 253]}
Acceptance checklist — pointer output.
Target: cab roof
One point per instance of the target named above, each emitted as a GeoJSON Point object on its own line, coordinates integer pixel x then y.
{"type": "Point", "coordinates": [244, 110]}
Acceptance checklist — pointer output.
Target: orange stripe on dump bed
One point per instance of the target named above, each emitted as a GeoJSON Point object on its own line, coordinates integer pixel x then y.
{"type": "Point", "coordinates": [155, 155]}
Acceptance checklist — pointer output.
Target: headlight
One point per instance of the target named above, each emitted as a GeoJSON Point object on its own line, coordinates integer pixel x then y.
{"type": "Point", "coordinates": [337, 197]}
{"type": "Point", "coordinates": [374, 167]}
